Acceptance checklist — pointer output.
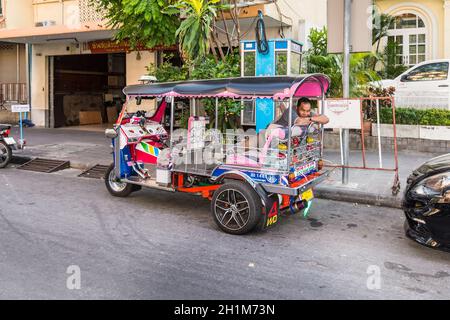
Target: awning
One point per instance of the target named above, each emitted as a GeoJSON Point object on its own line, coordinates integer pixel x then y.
{"type": "Point", "coordinates": [310, 85]}
{"type": "Point", "coordinates": [34, 35]}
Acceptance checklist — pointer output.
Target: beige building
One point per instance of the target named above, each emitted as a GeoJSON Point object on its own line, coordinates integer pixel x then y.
{"type": "Point", "coordinates": [62, 49]}
{"type": "Point", "coordinates": [422, 28]}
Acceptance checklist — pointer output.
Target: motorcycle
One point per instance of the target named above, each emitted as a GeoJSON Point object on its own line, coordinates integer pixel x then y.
{"type": "Point", "coordinates": [7, 144]}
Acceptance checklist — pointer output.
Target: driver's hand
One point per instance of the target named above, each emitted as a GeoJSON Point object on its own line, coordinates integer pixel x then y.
{"type": "Point", "coordinates": [302, 121]}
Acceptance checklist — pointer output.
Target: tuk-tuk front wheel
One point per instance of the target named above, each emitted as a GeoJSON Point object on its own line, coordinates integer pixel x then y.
{"type": "Point", "coordinates": [5, 154]}
{"type": "Point", "coordinates": [236, 208]}
{"type": "Point", "coordinates": [116, 187]}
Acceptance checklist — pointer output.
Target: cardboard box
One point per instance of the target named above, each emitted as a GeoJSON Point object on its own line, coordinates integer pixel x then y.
{"type": "Point", "coordinates": [90, 117]}
{"type": "Point", "coordinates": [112, 114]}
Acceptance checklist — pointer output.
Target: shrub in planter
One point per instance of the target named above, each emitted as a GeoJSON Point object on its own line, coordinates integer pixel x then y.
{"type": "Point", "coordinates": [435, 117]}
{"type": "Point", "coordinates": [410, 116]}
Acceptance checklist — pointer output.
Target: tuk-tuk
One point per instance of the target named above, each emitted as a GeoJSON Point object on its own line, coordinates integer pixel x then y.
{"type": "Point", "coordinates": [250, 176]}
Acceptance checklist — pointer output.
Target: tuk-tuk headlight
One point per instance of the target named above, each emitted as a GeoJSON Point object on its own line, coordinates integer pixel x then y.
{"type": "Point", "coordinates": [433, 186]}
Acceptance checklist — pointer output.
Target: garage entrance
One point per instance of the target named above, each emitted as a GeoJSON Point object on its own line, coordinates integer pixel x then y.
{"type": "Point", "coordinates": [85, 89]}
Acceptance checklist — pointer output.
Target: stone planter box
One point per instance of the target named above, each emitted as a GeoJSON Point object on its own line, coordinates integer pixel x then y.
{"type": "Point", "coordinates": [403, 131]}
{"type": "Point", "coordinates": [413, 131]}
{"type": "Point", "coordinates": [435, 133]}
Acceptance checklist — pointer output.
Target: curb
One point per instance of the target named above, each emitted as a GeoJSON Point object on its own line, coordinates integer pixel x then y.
{"type": "Point", "coordinates": [355, 196]}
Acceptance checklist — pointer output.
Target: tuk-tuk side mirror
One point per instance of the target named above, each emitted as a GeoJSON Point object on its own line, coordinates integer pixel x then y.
{"type": "Point", "coordinates": [138, 101]}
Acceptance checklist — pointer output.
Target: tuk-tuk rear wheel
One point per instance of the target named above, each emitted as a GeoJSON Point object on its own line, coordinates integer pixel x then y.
{"type": "Point", "coordinates": [236, 208]}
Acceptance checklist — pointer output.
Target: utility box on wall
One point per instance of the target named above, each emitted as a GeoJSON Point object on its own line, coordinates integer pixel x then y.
{"type": "Point", "coordinates": [283, 58]}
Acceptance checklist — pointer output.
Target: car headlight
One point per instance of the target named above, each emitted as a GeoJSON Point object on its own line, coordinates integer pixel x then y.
{"type": "Point", "coordinates": [433, 186]}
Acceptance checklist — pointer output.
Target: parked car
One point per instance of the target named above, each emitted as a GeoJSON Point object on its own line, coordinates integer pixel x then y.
{"type": "Point", "coordinates": [427, 204]}
{"type": "Point", "coordinates": [426, 85]}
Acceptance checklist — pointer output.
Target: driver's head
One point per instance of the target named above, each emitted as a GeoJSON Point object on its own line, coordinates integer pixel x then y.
{"type": "Point", "coordinates": [304, 108]}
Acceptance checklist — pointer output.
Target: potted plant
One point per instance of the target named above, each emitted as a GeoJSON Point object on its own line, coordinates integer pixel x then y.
{"type": "Point", "coordinates": [370, 106]}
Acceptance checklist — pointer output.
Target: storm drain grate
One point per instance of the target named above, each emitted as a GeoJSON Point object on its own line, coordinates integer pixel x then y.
{"type": "Point", "coordinates": [19, 160]}
{"type": "Point", "coordinates": [45, 165]}
{"type": "Point", "coordinates": [96, 172]}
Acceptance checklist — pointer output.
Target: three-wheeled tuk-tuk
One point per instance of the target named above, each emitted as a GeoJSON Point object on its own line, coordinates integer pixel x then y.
{"type": "Point", "coordinates": [249, 176]}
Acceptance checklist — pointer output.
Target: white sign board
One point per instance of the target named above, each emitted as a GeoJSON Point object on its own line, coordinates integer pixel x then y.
{"type": "Point", "coordinates": [20, 108]}
{"type": "Point", "coordinates": [343, 114]}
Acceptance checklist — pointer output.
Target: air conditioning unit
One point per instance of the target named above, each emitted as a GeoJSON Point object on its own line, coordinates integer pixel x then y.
{"type": "Point", "coordinates": [45, 23]}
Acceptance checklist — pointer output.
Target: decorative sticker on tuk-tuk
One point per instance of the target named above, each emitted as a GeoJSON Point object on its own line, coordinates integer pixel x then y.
{"type": "Point", "coordinates": [145, 147]}
{"type": "Point", "coordinates": [272, 211]}
{"type": "Point", "coordinates": [263, 177]}
{"type": "Point", "coordinates": [252, 175]}
{"type": "Point", "coordinates": [305, 169]}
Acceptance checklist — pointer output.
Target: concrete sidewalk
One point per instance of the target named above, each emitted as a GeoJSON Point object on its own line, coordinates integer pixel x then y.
{"type": "Point", "coordinates": [84, 149]}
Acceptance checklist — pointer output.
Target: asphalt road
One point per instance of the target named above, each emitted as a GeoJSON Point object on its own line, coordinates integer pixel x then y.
{"type": "Point", "coordinates": [157, 245]}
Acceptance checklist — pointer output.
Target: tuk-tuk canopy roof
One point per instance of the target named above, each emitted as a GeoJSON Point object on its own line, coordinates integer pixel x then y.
{"type": "Point", "coordinates": [310, 85]}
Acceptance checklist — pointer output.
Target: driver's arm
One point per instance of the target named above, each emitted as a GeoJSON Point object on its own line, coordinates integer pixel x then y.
{"type": "Point", "coordinates": [320, 119]}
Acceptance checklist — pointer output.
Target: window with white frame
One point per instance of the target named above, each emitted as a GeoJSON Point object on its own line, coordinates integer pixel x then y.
{"type": "Point", "coordinates": [409, 32]}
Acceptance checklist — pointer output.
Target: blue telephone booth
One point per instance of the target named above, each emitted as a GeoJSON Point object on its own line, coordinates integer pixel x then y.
{"type": "Point", "coordinates": [283, 58]}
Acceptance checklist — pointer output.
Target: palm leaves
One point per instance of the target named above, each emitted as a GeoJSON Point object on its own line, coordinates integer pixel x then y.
{"type": "Point", "coordinates": [195, 31]}
{"type": "Point", "coordinates": [332, 65]}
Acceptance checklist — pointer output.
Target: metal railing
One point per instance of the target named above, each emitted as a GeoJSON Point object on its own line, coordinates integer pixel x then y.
{"type": "Point", "coordinates": [375, 103]}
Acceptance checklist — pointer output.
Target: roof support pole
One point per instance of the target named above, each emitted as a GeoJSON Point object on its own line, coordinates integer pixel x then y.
{"type": "Point", "coordinates": [289, 157]}
{"type": "Point", "coordinates": [172, 111]}
{"type": "Point", "coordinates": [217, 113]}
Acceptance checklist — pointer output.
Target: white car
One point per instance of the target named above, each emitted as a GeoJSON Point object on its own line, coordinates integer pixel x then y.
{"type": "Point", "coordinates": [424, 86]}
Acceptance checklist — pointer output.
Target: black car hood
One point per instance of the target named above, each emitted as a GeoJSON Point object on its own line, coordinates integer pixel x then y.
{"type": "Point", "coordinates": [435, 164]}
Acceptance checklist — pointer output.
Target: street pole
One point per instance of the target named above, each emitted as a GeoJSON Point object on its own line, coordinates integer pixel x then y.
{"type": "Point", "coordinates": [346, 84]}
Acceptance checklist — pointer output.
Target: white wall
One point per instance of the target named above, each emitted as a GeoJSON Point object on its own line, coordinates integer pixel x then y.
{"type": "Point", "coordinates": [301, 14]}
{"type": "Point", "coordinates": [8, 64]}
{"type": "Point", "coordinates": [19, 14]}
{"type": "Point", "coordinates": [136, 68]}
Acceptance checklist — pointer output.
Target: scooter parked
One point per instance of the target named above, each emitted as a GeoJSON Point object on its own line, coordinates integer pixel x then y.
{"type": "Point", "coordinates": [7, 144]}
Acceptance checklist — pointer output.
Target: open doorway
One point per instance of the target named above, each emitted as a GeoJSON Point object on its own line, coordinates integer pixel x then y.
{"type": "Point", "coordinates": [86, 89]}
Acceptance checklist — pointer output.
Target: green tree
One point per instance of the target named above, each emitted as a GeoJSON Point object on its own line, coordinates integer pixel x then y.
{"type": "Point", "coordinates": [141, 22]}
{"type": "Point", "coordinates": [391, 66]}
{"type": "Point", "coordinates": [195, 34]}
{"type": "Point", "coordinates": [318, 41]}
{"type": "Point", "coordinates": [208, 68]}
{"type": "Point", "coordinates": [381, 25]}
{"type": "Point", "coordinates": [318, 61]}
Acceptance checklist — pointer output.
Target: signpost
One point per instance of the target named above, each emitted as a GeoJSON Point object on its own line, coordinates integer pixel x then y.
{"type": "Point", "coordinates": [349, 30]}
{"type": "Point", "coordinates": [20, 109]}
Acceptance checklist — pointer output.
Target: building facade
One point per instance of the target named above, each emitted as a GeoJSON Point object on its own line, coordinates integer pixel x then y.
{"type": "Point", "coordinates": [63, 50]}
{"type": "Point", "coordinates": [422, 29]}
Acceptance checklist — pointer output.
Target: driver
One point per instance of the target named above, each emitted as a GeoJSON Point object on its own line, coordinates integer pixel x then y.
{"type": "Point", "coordinates": [306, 116]}
{"type": "Point", "coordinates": [302, 116]}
